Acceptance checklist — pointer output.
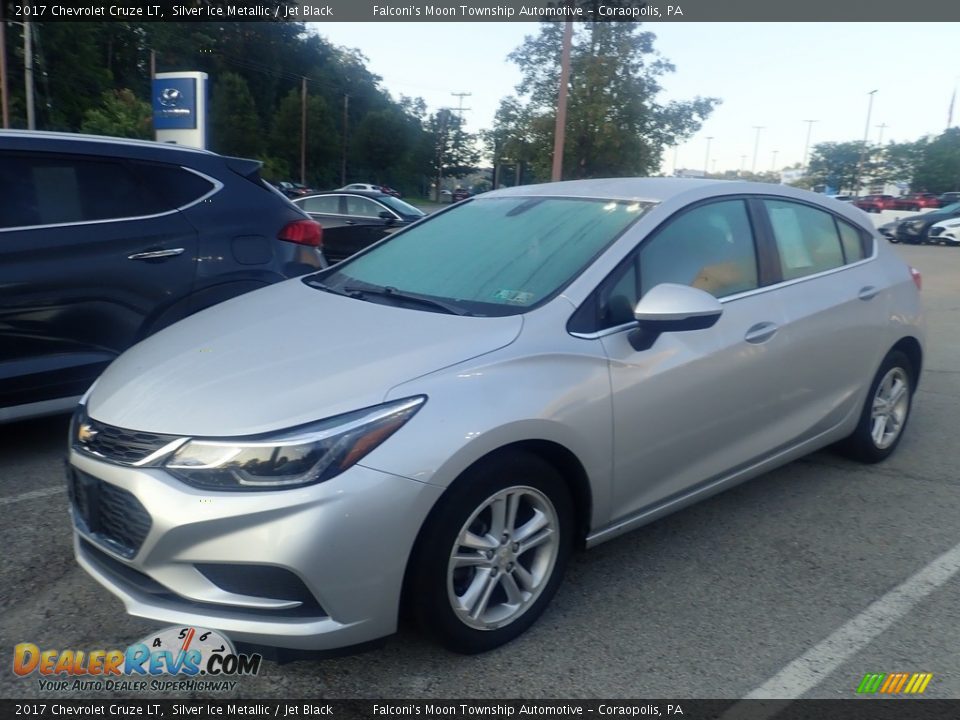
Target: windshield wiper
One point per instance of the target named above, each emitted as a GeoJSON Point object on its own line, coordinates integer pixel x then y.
{"type": "Point", "coordinates": [394, 294]}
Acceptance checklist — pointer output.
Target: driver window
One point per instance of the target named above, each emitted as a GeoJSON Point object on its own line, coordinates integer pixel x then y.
{"type": "Point", "coordinates": [362, 207]}
{"type": "Point", "coordinates": [710, 247]}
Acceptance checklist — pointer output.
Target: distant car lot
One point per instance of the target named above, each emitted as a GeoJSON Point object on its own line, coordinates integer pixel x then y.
{"type": "Point", "coordinates": [764, 573]}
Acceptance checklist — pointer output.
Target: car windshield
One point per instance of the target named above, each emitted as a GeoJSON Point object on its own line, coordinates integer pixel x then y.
{"type": "Point", "coordinates": [493, 256]}
{"type": "Point", "coordinates": [400, 206]}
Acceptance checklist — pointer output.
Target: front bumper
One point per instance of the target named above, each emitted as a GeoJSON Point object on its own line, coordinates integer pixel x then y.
{"type": "Point", "coordinates": [346, 540]}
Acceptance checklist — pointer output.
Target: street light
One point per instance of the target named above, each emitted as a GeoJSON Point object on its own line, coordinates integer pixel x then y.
{"type": "Point", "coordinates": [773, 165]}
{"type": "Point", "coordinates": [706, 160]}
{"type": "Point", "coordinates": [756, 146]}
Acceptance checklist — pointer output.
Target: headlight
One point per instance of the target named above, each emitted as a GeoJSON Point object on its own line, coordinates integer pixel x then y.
{"type": "Point", "coordinates": [293, 458]}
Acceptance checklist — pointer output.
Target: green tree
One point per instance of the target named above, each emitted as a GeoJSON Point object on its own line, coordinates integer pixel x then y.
{"type": "Point", "coordinates": [382, 141]}
{"type": "Point", "coordinates": [899, 161]}
{"type": "Point", "coordinates": [939, 170]}
{"type": "Point", "coordinates": [121, 114]}
{"type": "Point", "coordinates": [835, 164]}
{"type": "Point", "coordinates": [615, 126]}
{"type": "Point", "coordinates": [323, 141]}
{"type": "Point", "coordinates": [234, 124]}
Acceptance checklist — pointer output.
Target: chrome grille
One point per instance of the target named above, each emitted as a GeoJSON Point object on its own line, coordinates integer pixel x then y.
{"type": "Point", "coordinates": [118, 445]}
{"type": "Point", "coordinates": [108, 514]}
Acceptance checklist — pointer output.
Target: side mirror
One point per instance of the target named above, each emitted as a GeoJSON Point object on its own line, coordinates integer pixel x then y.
{"type": "Point", "coordinates": [673, 308]}
{"type": "Point", "coordinates": [388, 216]}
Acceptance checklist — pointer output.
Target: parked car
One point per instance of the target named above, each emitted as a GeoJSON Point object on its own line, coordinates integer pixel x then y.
{"type": "Point", "coordinates": [294, 190]}
{"type": "Point", "coordinates": [917, 201]}
{"type": "Point", "coordinates": [461, 194]}
{"type": "Point", "coordinates": [915, 229]}
{"type": "Point", "coordinates": [438, 422]}
{"type": "Point", "coordinates": [945, 232]}
{"type": "Point", "coordinates": [948, 198]}
{"type": "Point", "coordinates": [369, 187]}
{"type": "Point", "coordinates": [875, 203]}
{"type": "Point", "coordinates": [105, 241]}
{"type": "Point", "coordinates": [355, 220]}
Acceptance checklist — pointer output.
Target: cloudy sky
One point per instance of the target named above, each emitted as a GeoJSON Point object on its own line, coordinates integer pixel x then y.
{"type": "Point", "coordinates": [774, 75]}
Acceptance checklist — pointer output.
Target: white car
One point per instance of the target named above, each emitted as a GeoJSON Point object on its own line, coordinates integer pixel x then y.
{"type": "Point", "coordinates": [367, 187]}
{"type": "Point", "coordinates": [945, 231]}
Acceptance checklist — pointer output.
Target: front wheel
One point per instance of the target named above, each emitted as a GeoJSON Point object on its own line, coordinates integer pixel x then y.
{"type": "Point", "coordinates": [885, 412]}
{"type": "Point", "coordinates": [492, 554]}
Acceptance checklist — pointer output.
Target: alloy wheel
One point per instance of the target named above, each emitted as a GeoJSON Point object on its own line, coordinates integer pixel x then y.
{"type": "Point", "coordinates": [503, 558]}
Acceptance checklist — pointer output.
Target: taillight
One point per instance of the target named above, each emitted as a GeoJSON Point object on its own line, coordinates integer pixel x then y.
{"type": "Point", "coordinates": [917, 278]}
{"type": "Point", "coordinates": [303, 232]}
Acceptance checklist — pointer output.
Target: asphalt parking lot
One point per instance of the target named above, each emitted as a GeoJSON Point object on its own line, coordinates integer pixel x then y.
{"type": "Point", "coordinates": [796, 584]}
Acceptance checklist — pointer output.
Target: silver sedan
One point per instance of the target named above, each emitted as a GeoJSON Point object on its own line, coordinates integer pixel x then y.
{"type": "Point", "coordinates": [435, 424]}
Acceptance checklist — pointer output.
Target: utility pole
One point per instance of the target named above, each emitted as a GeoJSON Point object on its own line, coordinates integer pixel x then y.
{"type": "Point", "coordinates": [28, 74]}
{"type": "Point", "coordinates": [459, 130]}
{"type": "Point", "coordinates": [4, 100]}
{"type": "Point", "coordinates": [706, 160]}
{"type": "Point", "coordinates": [806, 146]}
{"type": "Point", "coordinates": [675, 149]}
{"type": "Point", "coordinates": [773, 165]}
{"type": "Point", "coordinates": [561, 124]}
{"type": "Point", "coordinates": [343, 155]}
{"type": "Point", "coordinates": [866, 138]}
{"type": "Point", "coordinates": [756, 146]}
{"type": "Point", "coordinates": [443, 115]}
{"type": "Point", "coordinates": [743, 163]}
{"type": "Point", "coordinates": [303, 130]}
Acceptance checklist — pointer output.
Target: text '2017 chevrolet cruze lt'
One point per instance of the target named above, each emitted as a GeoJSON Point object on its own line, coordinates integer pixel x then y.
{"type": "Point", "coordinates": [437, 422]}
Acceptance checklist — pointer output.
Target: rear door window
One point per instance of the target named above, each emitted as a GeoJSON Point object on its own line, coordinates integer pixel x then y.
{"type": "Point", "coordinates": [806, 238]}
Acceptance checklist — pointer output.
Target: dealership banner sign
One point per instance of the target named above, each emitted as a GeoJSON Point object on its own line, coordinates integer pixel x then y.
{"type": "Point", "coordinates": [481, 11]}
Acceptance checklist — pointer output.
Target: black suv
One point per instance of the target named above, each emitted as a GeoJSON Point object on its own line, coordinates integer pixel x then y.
{"type": "Point", "coordinates": [105, 241]}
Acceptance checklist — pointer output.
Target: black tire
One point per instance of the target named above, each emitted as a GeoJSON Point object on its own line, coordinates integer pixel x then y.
{"type": "Point", "coordinates": [862, 445]}
{"type": "Point", "coordinates": [433, 582]}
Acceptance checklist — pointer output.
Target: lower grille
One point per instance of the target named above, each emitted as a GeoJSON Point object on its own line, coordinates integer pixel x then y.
{"type": "Point", "coordinates": [129, 577]}
{"type": "Point", "coordinates": [108, 514]}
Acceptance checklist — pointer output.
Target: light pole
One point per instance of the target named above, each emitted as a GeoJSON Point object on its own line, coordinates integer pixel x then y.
{"type": "Point", "coordinates": [773, 165]}
{"type": "Point", "coordinates": [706, 160]}
{"type": "Point", "coordinates": [880, 140]}
{"type": "Point", "coordinates": [743, 163]}
{"type": "Point", "coordinates": [806, 146]}
{"type": "Point", "coordinates": [756, 146]}
{"type": "Point", "coordinates": [866, 138]}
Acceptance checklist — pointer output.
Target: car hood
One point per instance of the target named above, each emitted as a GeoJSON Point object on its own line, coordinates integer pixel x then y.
{"type": "Point", "coordinates": [280, 357]}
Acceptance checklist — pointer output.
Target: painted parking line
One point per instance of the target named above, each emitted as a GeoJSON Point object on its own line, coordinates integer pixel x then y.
{"type": "Point", "coordinates": [33, 495]}
{"type": "Point", "coordinates": [814, 666]}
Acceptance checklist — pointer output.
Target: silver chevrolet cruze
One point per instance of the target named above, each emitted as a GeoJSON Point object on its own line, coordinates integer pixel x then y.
{"type": "Point", "coordinates": [437, 422]}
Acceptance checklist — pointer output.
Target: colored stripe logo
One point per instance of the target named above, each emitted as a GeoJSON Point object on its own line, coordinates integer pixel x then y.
{"type": "Point", "coordinates": [894, 683]}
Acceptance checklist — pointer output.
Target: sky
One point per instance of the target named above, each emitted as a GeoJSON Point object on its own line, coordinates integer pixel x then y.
{"type": "Point", "coordinates": [773, 75]}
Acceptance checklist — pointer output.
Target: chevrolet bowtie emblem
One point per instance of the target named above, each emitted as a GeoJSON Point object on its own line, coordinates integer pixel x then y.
{"type": "Point", "coordinates": [85, 433]}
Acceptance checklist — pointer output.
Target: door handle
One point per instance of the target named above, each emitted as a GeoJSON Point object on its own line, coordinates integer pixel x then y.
{"type": "Point", "coordinates": [868, 293]}
{"type": "Point", "coordinates": [761, 332]}
{"type": "Point", "coordinates": [155, 254]}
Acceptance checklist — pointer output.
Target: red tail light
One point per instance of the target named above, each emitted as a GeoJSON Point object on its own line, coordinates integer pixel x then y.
{"type": "Point", "coordinates": [917, 278]}
{"type": "Point", "coordinates": [303, 232]}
